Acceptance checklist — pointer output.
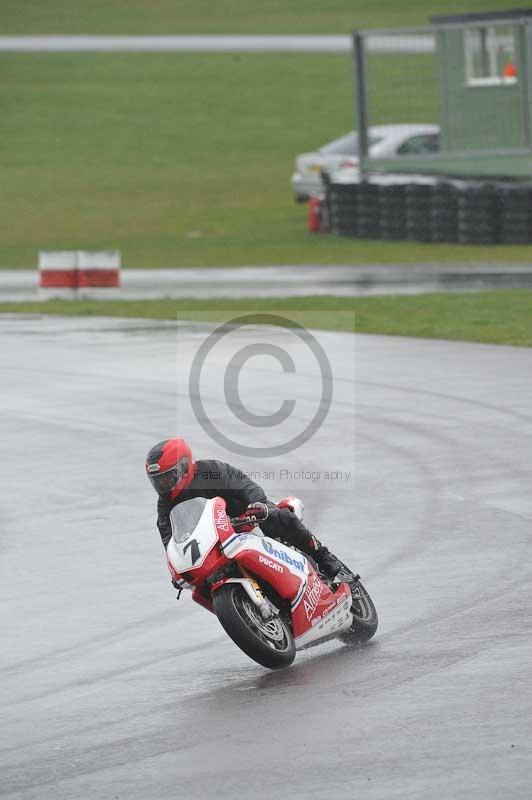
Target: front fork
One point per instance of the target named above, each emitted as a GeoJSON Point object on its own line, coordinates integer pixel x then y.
{"type": "Point", "coordinates": [254, 592]}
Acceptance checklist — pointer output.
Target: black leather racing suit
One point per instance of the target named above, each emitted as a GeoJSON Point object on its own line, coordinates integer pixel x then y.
{"type": "Point", "coordinates": [217, 479]}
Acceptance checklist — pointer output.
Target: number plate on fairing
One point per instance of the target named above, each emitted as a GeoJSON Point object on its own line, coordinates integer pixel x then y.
{"type": "Point", "coordinates": [193, 534]}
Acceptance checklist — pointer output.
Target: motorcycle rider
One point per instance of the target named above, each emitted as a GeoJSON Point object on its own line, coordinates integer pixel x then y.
{"type": "Point", "coordinates": [176, 477]}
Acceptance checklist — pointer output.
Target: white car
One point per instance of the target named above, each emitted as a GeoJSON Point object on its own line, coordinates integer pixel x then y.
{"type": "Point", "coordinates": [385, 141]}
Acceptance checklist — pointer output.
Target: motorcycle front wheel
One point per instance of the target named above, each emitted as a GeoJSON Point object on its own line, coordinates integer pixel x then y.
{"type": "Point", "coordinates": [268, 642]}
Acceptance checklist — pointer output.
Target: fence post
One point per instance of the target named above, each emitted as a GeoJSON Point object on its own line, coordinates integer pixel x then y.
{"type": "Point", "coordinates": [361, 100]}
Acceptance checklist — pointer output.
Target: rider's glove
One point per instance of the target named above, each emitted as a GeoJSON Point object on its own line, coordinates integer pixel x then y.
{"type": "Point", "coordinates": [255, 512]}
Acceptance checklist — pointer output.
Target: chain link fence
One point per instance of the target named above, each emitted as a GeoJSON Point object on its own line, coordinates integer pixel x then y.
{"type": "Point", "coordinates": [401, 77]}
{"type": "Point", "coordinates": [444, 118]}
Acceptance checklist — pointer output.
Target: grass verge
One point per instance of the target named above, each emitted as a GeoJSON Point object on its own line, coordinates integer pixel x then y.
{"type": "Point", "coordinates": [185, 160]}
{"type": "Point", "coordinates": [225, 16]}
{"type": "Point", "coordinates": [499, 317]}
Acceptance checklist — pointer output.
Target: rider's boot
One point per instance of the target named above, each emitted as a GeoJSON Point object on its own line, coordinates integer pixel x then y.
{"type": "Point", "coordinates": [326, 561]}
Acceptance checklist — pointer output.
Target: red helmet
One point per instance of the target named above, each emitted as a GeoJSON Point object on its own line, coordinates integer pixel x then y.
{"type": "Point", "coordinates": [170, 467]}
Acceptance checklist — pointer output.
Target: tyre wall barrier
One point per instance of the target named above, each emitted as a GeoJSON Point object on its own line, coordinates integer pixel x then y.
{"type": "Point", "coordinates": [431, 210]}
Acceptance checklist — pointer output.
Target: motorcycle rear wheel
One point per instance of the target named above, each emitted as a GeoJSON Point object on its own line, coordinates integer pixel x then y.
{"type": "Point", "coordinates": [268, 642]}
{"type": "Point", "coordinates": [365, 618]}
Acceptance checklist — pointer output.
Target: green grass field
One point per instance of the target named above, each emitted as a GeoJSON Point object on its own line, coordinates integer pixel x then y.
{"type": "Point", "coordinates": [223, 16]}
{"type": "Point", "coordinates": [500, 317]}
{"type": "Point", "coordinates": [183, 160]}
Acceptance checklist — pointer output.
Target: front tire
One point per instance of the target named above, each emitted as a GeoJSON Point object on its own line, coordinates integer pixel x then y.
{"type": "Point", "coordinates": [268, 642]}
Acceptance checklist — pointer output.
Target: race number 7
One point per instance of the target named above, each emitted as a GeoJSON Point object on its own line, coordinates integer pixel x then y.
{"type": "Point", "coordinates": [194, 550]}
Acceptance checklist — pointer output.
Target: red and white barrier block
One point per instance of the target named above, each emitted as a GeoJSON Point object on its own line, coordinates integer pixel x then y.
{"type": "Point", "coordinates": [98, 270]}
{"type": "Point", "coordinates": [58, 274]}
{"type": "Point", "coordinates": [75, 274]}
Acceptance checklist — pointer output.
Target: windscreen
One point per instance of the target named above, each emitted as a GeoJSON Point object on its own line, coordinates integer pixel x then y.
{"type": "Point", "coordinates": [185, 517]}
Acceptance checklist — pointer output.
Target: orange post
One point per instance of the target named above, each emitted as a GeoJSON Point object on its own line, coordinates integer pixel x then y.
{"type": "Point", "coordinates": [314, 215]}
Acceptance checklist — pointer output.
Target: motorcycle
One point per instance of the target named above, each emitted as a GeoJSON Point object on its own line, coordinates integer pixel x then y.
{"type": "Point", "coordinates": [269, 597]}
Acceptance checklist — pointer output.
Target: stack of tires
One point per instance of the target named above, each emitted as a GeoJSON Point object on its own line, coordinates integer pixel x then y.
{"type": "Point", "coordinates": [342, 203]}
{"type": "Point", "coordinates": [368, 213]}
{"type": "Point", "coordinates": [418, 204]}
{"type": "Point", "coordinates": [392, 211]}
{"type": "Point", "coordinates": [430, 210]}
{"type": "Point", "coordinates": [515, 209]}
{"type": "Point", "coordinates": [443, 212]}
{"type": "Point", "coordinates": [478, 218]}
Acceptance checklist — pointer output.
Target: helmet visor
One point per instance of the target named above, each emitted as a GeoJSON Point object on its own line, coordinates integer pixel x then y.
{"type": "Point", "coordinates": [165, 482]}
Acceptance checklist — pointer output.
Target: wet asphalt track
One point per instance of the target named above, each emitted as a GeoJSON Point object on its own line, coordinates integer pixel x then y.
{"type": "Point", "coordinates": [288, 281]}
{"type": "Point", "coordinates": [111, 689]}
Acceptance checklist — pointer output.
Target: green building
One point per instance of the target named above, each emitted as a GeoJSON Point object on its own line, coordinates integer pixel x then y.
{"type": "Point", "coordinates": [484, 64]}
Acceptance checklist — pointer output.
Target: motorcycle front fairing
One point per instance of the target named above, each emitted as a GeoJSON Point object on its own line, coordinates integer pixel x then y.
{"type": "Point", "coordinates": [193, 552]}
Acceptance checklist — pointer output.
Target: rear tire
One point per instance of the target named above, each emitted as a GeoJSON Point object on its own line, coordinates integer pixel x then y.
{"type": "Point", "coordinates": [268, 642]}
{"type": "Point", "coordinates": [365, 619]}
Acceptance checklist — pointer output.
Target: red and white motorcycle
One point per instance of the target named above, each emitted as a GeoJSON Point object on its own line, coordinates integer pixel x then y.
{"type": "Point", "coordinates": [269, 597]}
